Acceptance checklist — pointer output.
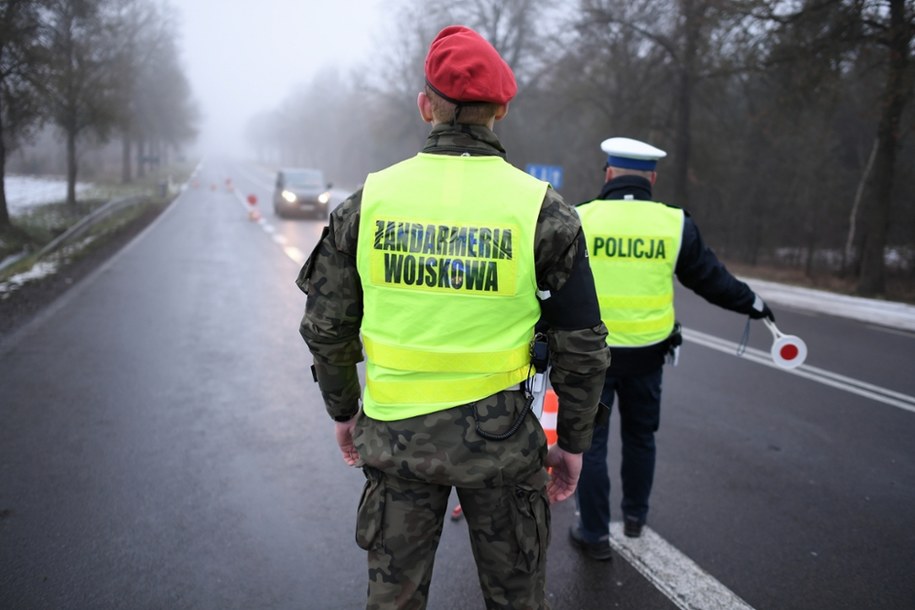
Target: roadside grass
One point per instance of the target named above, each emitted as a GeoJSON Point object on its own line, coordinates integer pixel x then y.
{"type": "Point", "coordinates": [40, 224]}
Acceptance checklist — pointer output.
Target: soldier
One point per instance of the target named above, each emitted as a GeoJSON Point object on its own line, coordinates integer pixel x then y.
{"type": "Point", "coordinates": [444, 263]}
{"type": "Point", "coordinates": [636, 247]}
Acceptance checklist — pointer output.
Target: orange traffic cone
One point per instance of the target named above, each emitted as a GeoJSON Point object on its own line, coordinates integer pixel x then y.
{"type": "Point", "coordinates": [550, 416]}
{"type": "Point", "coordinates": [253, 214]}
{"type": "Point", "coordinates": [457, 513]}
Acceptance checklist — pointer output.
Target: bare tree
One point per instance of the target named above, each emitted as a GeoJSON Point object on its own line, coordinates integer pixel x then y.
{"type": "Point", "coordinates": [157, 109]}
{"type": "Point", "coordinates": [136, 23]}
{"type": "Point", "coordinates": [21, 64]}
{"type": "Point", "coordinates": [165, 112]}
{"type": "Point", "coordinates": [682, 30]}
{"type": "Point", "coordinates": [81, 85]}
{"type": "Point", "coordinates": [845, 32]}
{"type": "Point", "coordinates": [890, 24]}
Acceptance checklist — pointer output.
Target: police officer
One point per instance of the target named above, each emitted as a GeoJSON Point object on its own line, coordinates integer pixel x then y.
{"type": "Point", "coordinates": [637, 246]}
{"type": "Point", "coordinates": [440, 267]}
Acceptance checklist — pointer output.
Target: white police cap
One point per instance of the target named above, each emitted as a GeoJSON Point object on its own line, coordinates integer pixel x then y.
{"type": "Point", "coordinates": [631, 154]}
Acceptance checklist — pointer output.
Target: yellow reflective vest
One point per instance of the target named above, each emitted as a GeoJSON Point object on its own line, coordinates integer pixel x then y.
{"type": "Point", "coordinates": [445, 256]}
{"type": "Point", "coordinates": [633, 246]}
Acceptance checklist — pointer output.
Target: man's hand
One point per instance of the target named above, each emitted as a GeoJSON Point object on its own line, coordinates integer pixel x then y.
{"type": "Point", "coordinates": [761, 310]}
{"type": "Point", "coordinates": [344, 434]}
{"type": "Point", "coordinates": [565, 469]}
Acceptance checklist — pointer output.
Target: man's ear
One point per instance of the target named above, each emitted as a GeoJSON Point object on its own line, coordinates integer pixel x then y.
{"type": "Point", "coordinates": [501, 111]}
{"type": "Point", "coordinates": [425, 106]}
{"type": "Point", "coordinates": [654, 176]}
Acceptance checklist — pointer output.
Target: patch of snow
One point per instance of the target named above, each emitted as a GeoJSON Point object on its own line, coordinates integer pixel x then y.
{"type": "Point", "coordinates": [38, 271]}
{"type": "Point", "coordinates": [875, 311]}
{"type": "Point", "coordinates": [24, 192]}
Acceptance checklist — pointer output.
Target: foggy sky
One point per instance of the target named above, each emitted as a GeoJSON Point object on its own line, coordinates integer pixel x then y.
{"type": "Point", "coordinates": [245, 57]}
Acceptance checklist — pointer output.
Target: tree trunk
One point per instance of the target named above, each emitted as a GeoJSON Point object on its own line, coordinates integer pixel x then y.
{"type": "Point", "coordinates": [682, 140]}
{"type": "Point", "coordinates": [141, 167]}
{"type": "Point", "coordinates": [126, 170]}
{"type": "Point", "coordinates": [811, 235]}
{"type": "Point", "coordinates": [872, 280]}
{"type": "Point", "coordinates": [848, 254]}
{"type": "Point", "coordinates": [4, 211]}
{"type": "Point", "coordinates": [71, 166]}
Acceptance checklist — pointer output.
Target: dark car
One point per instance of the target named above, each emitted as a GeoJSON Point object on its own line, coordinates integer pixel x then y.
{"type": "Point", "coordinates": [301, 192]}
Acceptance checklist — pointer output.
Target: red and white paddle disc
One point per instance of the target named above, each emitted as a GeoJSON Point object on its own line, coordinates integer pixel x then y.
{"type": "Point", "coordinates": [788, 351]}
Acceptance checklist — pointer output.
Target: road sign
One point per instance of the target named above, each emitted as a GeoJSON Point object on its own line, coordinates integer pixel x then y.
{"type": "Point", "coordinates": [549, 173]}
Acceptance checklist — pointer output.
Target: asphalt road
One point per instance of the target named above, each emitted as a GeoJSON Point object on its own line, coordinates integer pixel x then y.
{"type": "Point", "coordinates": [162, 445]}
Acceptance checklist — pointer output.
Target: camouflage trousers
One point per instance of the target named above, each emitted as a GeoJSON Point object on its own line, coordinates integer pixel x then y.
{"type": "Point", "coordinates": [411, 467]}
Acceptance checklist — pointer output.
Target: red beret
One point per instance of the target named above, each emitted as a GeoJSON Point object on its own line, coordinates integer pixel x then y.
{"type": "Point", "coordinates": [462, 67]}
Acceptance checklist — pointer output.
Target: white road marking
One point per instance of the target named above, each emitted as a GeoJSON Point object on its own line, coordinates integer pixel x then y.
{"type": "Point", "coordinates": [673, 573]}
{"type": "Point", "coordinates": [295, 254]}
{"type": "Point", "coordinates": [848, 384]}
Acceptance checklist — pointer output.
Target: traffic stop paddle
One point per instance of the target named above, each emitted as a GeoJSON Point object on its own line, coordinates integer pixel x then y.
{"type": "Point", "coordinates": [788, 351]}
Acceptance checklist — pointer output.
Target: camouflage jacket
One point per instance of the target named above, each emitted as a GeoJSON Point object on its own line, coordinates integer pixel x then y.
{"type": "Point", "coordinates": [576, 335]}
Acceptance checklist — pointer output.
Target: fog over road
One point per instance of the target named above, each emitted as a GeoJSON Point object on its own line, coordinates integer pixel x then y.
{"type": "Point", "coordinates": [163, 446]}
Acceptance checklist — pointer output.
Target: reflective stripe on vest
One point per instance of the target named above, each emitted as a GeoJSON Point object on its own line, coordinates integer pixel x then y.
{"type": "Point", "coordinates": [633, 248]}
{"type": "Point", "coordinates": [445, 257]}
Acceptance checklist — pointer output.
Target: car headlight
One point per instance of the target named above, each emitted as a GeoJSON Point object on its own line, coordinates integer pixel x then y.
{"type": "Point", "coordinates": [324, 198]}
{"type": "Point", "coordinates": [289, 196]}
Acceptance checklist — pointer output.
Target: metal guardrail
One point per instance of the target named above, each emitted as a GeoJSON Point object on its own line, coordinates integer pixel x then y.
{"type": "Point", "coordinates": [88, 221]}
{"type": "Point", "coordinates": [12, 260]}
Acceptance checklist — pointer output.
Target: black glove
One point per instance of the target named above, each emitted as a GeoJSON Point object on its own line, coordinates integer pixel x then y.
{"type": "Point", "coordinates": [761, 310]}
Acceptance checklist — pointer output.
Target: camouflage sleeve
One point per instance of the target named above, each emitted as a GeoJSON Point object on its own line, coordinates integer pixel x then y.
{"type": "Point", "coordinates": [333, 310]}
{"type": "Point", "coordinates": [576, 335]}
